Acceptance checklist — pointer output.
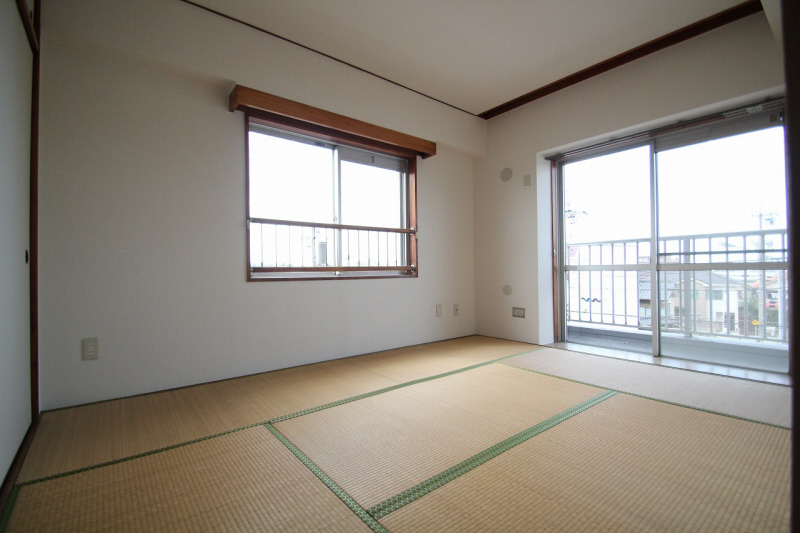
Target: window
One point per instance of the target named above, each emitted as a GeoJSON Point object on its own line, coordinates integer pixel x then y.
{"type": "Point", "coordinates": [692, 215]}
{"type": "Point", "coordinates": [322, 210]}
{"type": "Point", "coordinates": [328, 196]}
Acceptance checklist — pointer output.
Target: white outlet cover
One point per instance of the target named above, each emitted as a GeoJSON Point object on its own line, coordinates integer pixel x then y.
{"type": "Point", "coordinates": [438, 309]}
{"type": "Point", "coordinates": [90, 349]}
{"type": "Point", "coordinates": [455, 309]}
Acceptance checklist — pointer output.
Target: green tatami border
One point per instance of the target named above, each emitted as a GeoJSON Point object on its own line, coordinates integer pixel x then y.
{"type": "Point", "coordinates": [429, 485]}
{"type": "Point", "coordinates": [5, 515]}
{"type": "Point", "coordinates": [274, 420]}
{"type": "Point", "coordinates": [372, 516]}
{"type": "Point", "coordinates": [390, 389]}
{"type": "Point", "coordinates": [676, 404]}
{"type": "Point", "coordinates": [331, 484]}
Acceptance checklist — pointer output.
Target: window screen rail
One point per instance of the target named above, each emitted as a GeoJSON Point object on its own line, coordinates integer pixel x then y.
{"type": "Point", "coordinates": [280, 246]}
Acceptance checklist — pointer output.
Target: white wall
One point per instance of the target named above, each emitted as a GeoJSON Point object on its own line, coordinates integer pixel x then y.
{"type": "Point", "coordinates": [16, 62]}
{"type": "Point", "coordinates": [142, 195]}
{"type": "Point", "coordinates": [736, 64]}
{"type": "Point", "coordinates": [182, 37]}
{"type": "Point", "coordinates": [142, 203]}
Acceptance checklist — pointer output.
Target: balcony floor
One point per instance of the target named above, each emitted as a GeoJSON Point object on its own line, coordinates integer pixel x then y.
{"type": "Point", "coordinates": [614, 350]}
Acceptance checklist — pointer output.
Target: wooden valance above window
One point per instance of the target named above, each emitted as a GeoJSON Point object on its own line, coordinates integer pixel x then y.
{"type": "Point", "coordinates": [302, 118]}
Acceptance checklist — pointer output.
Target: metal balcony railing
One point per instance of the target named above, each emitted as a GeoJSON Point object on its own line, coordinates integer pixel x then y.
{"type": "Point", "coordinates": [731, 285]}
{"type": "Point", "coordinates": [743, 247]}
{"type": "Point", "coordinates": [289, 246]}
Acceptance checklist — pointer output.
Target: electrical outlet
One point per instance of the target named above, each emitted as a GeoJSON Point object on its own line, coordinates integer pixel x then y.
{"type": "Point", "coordinates": [90, 349]}
{"type": "Point", "coordinates": [518, 312]}
{"type": "Point", "coordinates": [455, 309]}
{"type": "Point", "coordinates": [438, 309]}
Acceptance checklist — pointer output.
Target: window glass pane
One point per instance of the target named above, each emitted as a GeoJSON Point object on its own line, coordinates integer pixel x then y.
{"type": "Point", "coordinates": [302, 185]}
{"type": "Point", "coordinates": [730, 317]}
{"type": "Point", "coordinates": [371, 196]}
{"type": "Point", "coordinates": [290, 180]}
{"type": "Point", "coordinates": [731, 185]}
{"type": "Point", "coordinates": [607, 198]}
{"type": "Point", "coordinates": [721, 202]}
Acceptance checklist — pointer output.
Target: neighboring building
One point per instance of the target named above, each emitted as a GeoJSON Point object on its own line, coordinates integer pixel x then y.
{"type": "Point", "coordinates": [709, 301]}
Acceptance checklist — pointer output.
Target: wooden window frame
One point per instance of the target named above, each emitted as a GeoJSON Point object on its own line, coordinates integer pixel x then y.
{"type": "Point", "coordinates": [318, 122]}
{"type": "Point", "coordinates": [285, 115]}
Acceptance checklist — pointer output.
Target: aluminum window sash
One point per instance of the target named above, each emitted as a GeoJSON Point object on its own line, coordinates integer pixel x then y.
{"type": "Point", "coordinates": [345, 153]}
{"type": "Point", "coordinates": [638, 143]}
{"type": "Point", "coordinates": [362, 157]}
{"type": "Point", "coordinates": [564, 292]}
{"type": "Point", "coordinates": [655, 304]}
{"type": "Point", "coordinates": [296, 137]}
{"type": "Point", "coordinates": [772, 106]}
{"type": "Point", "coordinates": [771, 118]}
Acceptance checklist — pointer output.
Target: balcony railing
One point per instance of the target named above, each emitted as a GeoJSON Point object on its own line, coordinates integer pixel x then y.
{"type": "Point", "coordinates": [288, 246]}
{"type": "Point", "coordinates": [731, 285]}
{"type": "Point", "coordinates": [742, 247]}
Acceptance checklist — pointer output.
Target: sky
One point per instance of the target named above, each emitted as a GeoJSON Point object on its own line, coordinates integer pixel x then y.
{"type": "Point", "coordinates": [726, 185]}
{"type": "Point", "coordinates": [290, 180]}
{"type": "Point", "coordinates": [295, 181]}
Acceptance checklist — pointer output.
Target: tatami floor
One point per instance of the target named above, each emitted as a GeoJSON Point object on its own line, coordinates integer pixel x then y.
{"type": "Point", "coordinates": [470, 434]}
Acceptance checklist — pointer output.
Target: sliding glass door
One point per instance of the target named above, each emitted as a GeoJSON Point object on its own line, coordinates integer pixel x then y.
{"type": "Point", "coordinates": [722, 250]}
{"type": "Point", "coordinates": [678, 246]}
{"type": "Point", "coordinates": [607, 236]}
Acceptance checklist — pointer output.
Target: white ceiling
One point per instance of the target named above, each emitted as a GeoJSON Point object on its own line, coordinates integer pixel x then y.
{"type": "Point", "coordinates": [472, 54]}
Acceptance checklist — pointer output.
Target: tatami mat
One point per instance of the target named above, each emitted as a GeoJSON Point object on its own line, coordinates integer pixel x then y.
{"type": "Point", "coordinates": [763, 402]}
{"type": "Point", "coordinates": [415, 362]}
{"type": "Point", "coordinates": [244, 481]}
{"type": "Point", "coordinates": [130, 426]}
{"type": "Point", "coordinates": [380, 446]}
{"type": "Point", "coordinates": [626, 464]}
{"type": "Point", "coordinates": [75, 438]}
{"type": "Point", "coordinates": [380, 424]}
